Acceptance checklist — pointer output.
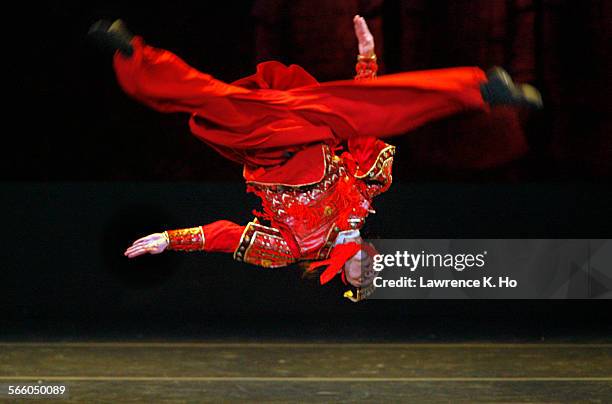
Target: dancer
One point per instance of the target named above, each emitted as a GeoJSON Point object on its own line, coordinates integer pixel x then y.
{"type": "Point", "coordinates": [287, 130]}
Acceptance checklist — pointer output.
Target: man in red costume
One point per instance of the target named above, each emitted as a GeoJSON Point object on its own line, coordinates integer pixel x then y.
{"type": "Point", "coordinates": [285, 128]}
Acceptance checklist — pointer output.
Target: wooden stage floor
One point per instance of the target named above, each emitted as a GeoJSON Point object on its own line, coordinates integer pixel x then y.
{"type": "Point", "coordinates": [313, 372]}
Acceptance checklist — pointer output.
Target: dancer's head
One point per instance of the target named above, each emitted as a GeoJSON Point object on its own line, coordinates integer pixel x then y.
{"type": "Point", "coordinates": [359, 270]}
{"type": "Point", "coordinates": [353, 258]}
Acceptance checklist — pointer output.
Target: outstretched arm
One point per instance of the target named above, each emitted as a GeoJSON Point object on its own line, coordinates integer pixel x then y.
{"type": "Point", "coordinates": [366, 66]}
{"type": "Point", "coordinates": [254, 243]}
{"type": "Point", "coordinates": [370, 154]}
{"type": "Point", "coordinates": [220, 236]}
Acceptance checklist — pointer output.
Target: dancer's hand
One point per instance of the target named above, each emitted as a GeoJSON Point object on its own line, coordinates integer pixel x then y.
{"type": "Point", "coordinates": [152, 244]}
{"type": "Point", "coordinates": [364, 36]}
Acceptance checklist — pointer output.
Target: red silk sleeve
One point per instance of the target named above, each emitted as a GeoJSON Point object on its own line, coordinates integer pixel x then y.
{"type": "Point", "coordinates": [254, 243]}
{"type": "Point", "coordinates": [222, 236]}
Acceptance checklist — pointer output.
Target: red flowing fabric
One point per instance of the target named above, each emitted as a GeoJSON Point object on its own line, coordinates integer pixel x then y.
{"type": "Point", "coordinates": [280, 109]}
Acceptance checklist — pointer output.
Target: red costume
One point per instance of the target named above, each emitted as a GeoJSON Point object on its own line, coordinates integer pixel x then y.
{"type": "Point", "coordinates": [285, 128]}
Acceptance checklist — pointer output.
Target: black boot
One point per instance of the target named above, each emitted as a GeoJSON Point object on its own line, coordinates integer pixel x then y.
{"type": "Point", "coordinates": [501, 90]}
{"type": "Point", "coordinates": [113, 36]}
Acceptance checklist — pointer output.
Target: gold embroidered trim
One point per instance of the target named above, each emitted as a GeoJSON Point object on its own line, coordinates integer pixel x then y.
{"type": "Point", "coordinates": [246, 240]}
{"type": "Point", "coordinates": [384, 155]}
{"type": "Point", "coordinates": [244, 232]}
{"type": "Point", "coordinates": [266, 263]}
{"type": "Point", "coordinates": [326, 248]}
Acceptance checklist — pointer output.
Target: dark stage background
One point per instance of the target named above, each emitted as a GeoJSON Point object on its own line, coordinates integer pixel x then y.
{"type": "Point", "coordinates": [90, 169]}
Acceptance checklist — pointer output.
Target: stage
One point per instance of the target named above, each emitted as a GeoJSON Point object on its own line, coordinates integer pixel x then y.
{"type": "Point", "coordinates": [313, 371]}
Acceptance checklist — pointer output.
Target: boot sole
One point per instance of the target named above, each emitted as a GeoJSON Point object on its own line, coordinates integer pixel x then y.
{"type": "Point", "coordinates": [532, 96]}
